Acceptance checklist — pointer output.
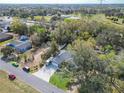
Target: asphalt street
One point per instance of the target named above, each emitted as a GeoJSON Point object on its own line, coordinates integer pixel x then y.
{"type": "Point", "coordinates": [38, 84]}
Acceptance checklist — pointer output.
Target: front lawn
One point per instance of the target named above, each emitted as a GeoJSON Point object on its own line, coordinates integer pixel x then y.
{"type": "Point", "coordinates": [60, 81]}
{"type": "Point", "coordinates": [5, 42]}
{"type": "Point", "coordinates": [7, 86]}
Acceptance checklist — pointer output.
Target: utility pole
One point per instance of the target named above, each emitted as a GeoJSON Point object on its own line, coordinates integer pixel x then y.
{"type": "Point", "coordinates": [101, 2]}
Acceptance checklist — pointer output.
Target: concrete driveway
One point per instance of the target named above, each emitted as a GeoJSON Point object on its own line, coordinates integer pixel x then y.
{"type": "Point", "coordinates": [46, 72]}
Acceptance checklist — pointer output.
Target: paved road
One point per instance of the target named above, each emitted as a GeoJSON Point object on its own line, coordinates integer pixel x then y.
{"type": "Point", "coordinates": [33, 81]}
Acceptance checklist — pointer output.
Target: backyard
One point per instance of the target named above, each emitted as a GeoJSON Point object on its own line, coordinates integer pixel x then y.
{"type": "Point", "coordinates": [7, 86]}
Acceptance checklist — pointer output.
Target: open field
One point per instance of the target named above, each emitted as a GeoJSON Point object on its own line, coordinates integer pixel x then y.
{"type": "Point", "coordinates": [38, 18]}
{"type": "Point", "coordinates": [7, 86]}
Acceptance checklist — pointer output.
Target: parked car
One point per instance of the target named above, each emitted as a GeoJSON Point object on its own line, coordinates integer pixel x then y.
{"type": "Point", "coordinates": [12, 77]}
{"type": "Point", "coordinates": [15, 64]}
{"type": "Point", "coordinates": [26, 69]}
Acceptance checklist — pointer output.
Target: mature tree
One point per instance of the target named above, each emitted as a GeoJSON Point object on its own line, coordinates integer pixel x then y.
{"type": "Point", "coordinates": [18, 27]}
{"type": "Point", "coordinates": [90, 72]}
{"type": "Point", "coordinates": [113, 38]}
{"type": "Point", "coordinates": [35, 40]}
{"type": "Point", "coordinates": [32, 17]}
{"type": "Point", "coordinates": [7, 51]}
{"type": "Point", "coordinates": [117, 63]}
{"type": "Point", "coordinates": [54, 48]}
{"type": "Point", "coordinates": [43, 20]}
{"type": "Point", "coordinates": [55, 18]}
{"type": "Point", "coordinates": [122, 21]}
{"type": "Point", "coordinates": [63, 35]}
{"type": "Point", "coordinates": [33, 29]}
{"type": "Point", "coordinates": [0, 29]}
{"type": "Point", "coordinates": [40, 36]}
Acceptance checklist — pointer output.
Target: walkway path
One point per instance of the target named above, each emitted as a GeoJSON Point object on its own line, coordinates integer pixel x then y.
{"type": "Point", "coordinates": [46, 72]}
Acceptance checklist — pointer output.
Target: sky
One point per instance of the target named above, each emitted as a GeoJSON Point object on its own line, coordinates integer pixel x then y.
{"type": "Point", "coordinates": [61, 1]}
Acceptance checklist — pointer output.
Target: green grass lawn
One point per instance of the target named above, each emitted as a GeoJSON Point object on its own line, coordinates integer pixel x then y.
{"type": "Point", "coordinates": [7, 86]}
{"type": "Point", "coordinates": [59, 81]}
{"type": "Point", "coordinates": [5, 42]}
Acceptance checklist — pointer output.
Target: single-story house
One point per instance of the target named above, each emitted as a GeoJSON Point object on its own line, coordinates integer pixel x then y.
{"type": "Point", "coordinates": [65, 16]}
{"type": "Point", "coordinates": [20, 46]}
{"type": "Point", "coordinates": [70, 17]}
{"type": "Point", "coordinates": [4, 24]}
{"type": "Point", "coordinates": [75, 17]}
{"type": "Point", "coordinates": [23, 38]}
{"type": "Point", "coordinates": [61, 57]}
{"type": "Point", "coordinates": [4, 37]}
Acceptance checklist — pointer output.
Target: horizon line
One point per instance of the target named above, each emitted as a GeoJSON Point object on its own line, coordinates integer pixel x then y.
{"type": "Point", "coordinates": [64, 3]}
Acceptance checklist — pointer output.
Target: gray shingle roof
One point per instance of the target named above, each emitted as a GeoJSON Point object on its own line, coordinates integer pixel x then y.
{"type": "Point", "coordinates": [4, 37]}
{"type": "Point", "coordinates": [24, 44]}
{"type": "Point", "coordinates": [15, 42]}
{"type": "Point", "coordinates": [61, 57]}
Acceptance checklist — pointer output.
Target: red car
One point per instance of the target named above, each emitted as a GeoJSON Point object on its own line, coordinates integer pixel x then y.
{"type": "Point", "coordinates": [12, 77]}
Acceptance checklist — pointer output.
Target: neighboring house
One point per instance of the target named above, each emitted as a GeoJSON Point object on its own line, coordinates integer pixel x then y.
{"type": "Point", "coordinates": [20, 46]}
{"type": "Point", "coordinates": [5, 26]}
{"type": "Point", "coordinates": [65, 16]}
{"type": "Point", "coordinates": [5, 23]}
{"type": "Point", "coordinates": [70, 17]}
{"type": "Point", "coordinates": [4, 30]}
{"type": "Point", "coordinates": [75, 18]}
{"type": "Point", "coordinates": [4, 37]}
{"type": "Point", "coordinates": [30, 23]}
{"type": "Point", "coordinates": [23, 38]}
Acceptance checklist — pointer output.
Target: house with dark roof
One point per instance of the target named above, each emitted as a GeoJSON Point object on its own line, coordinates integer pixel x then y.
{"type": "Point", "coordinates": [61, 57]}
{"type": "Point", "coordinates": [23, 38]}
{"type": "Point", "coordinates": [4, 24]}
{"type": "Point", "coordinates": [4, 37]}
{"type": "Point", "coordinates": [20, 46]}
